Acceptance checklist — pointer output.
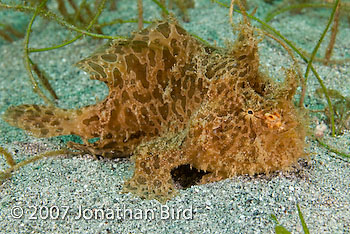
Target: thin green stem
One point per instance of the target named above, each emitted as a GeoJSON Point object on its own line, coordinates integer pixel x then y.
{"type": "Point", "coordinates": [52, 16]}
{"type": "Point", "coordinates": [26, 56]}
{"type": "Point", "coordinates": [200, 39]}
{"type": "Point", "coordinates": [33, 50]}
{"type": "Point", "coordinates": [332, 149]}
{"type": "Point", "coordinates": [274, 13]}
{"type": "Point", "coordinates": [42, 77]}
{"type": "Point", "coordinates": [330, 105]}
{"type": "Point", "coordinates": [93, 21]}
{"type": "Point", "coordinates": [313, 56]}
{"type": "Point", "coordinates": [165, 11]}
{"type": "Point", "coordinates": [302, 220]}
{"type": "Point", "coordinates": [221, 4]}
{"type": "Point", "coordinates": [321, 39]}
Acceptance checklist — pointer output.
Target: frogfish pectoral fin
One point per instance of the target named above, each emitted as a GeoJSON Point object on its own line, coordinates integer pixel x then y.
{"type": "Point", "coordinates": [42, 121]}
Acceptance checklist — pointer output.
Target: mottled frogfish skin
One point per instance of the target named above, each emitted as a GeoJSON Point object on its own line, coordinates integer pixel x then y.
{"type": "Point", "coordinates": [174, 101]}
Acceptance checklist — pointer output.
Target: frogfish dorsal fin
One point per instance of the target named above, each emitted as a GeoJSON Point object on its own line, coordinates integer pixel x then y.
{"type": "Point", "coordinates": [109, 64]}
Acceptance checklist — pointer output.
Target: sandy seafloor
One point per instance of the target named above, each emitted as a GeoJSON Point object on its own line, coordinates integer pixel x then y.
{"type": "Point", "coordinates": [239, 205]}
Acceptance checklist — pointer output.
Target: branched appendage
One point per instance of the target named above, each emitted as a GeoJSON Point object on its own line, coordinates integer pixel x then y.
{"type": "Point", "coordinates": [13, 166]}
{"type": "Point", "coordinates": [9, 158]}
{"type": "Point", "coordinates": [97, 150]}
{"type": "Point", "coordinates": [246, 46]}
{"type": "Point", "coordinates": [10, 162]}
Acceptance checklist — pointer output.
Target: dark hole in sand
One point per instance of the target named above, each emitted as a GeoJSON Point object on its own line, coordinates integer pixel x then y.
{"type": "Point", "coordinates": [185, 177]}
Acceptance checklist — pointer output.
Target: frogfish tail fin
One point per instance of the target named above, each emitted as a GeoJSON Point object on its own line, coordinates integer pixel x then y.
{"type": "Point", "coordinates": [41, 121]}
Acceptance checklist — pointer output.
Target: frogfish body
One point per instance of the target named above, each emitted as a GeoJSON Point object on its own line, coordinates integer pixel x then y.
{"type": "Point", "coordinates": [175, 101]}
